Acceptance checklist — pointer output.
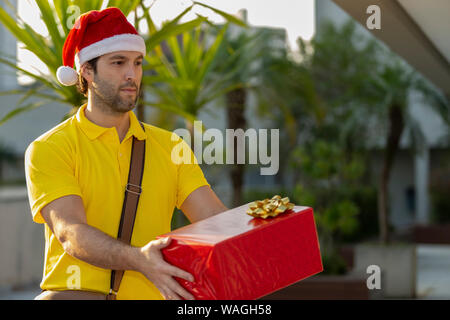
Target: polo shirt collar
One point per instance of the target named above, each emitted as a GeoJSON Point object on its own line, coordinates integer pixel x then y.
{"type": "Point", "coordinates": [93, 131]}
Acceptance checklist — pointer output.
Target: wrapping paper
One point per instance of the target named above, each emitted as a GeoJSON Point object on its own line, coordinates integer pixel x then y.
{"type": "Point", "coordinates": [234, 256]}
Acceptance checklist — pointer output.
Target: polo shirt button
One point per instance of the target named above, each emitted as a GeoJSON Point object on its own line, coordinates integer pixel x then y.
{"type": "Point", "coordinates": [120, 154]}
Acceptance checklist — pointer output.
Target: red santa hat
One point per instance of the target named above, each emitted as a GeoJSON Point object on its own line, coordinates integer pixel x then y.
{"type": "Point", "coordinates": [94, 34]}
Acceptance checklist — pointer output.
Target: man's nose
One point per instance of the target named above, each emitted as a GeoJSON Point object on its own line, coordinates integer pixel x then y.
{"type": "Point", "coordinates": [130, 74]}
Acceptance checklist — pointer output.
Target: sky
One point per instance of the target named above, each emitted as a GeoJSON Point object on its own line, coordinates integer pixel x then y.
{"type": "Point", "coordinates": [296, 16]}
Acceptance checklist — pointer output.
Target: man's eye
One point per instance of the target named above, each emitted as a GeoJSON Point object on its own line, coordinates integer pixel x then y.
{"type": "Point", "coordinates": [138, 63]}
{"type": "Point", "coordinates": [117, 62]}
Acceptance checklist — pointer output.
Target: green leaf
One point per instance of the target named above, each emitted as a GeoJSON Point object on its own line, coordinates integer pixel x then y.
{"type": "Point", "coordinates": [36, 77]}
{"type": "Point", "coordinates": [150, 24]}
{"type": "Point", "coordinates": [171, 108]}
{"type": "Point", "coordinates": [35, 93]}
{"type": "Point", "coordinates": [125, 6]}
{"type": "Point", "coordinates": [227, 16]}
{"type": "Point", "coordinates": [181, 83]}
{"type": "Point", "coordinates": [179, 58]}
{"type": "Point", "coordinates": [28, 94]}
{"type": "Point", "coordinates": [61, 7]}
{"type": "Point", "coordinates": [22, 109]}
{"type": "Point", "coordinates": [19, 33]}
{"type": "Point", "coordinates": [49, 19]}
{"type": "Point", "coordinates": [211, 54]}
{"type": "Point", "coordinates": [169, 30]}
{"type": "Point", "coordinates": [88, 5]}
{"type": "Point", "coordinates": [220, 90]}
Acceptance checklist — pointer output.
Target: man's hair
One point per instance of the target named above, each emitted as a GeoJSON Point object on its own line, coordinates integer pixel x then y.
{"type": "Point", "coordinates": [82, 84]}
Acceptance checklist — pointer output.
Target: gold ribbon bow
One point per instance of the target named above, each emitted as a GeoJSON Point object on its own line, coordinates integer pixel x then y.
{"type": "Point", "coordinates": [269, 207]}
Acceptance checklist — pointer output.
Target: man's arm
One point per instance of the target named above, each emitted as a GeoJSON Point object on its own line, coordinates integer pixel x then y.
{"type": "Point", "coordinates": [201, 204]}
{"type": "Point", "coordinates": [66, 218]}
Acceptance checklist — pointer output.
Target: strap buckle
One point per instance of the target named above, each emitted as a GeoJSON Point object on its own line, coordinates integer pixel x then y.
{"type": "Point", "coordinates": [135, 186]}
{"type": "Point", "coordinates": [112, 292]}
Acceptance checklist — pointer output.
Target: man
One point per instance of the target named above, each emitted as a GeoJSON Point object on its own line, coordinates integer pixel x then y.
{"type": "Point", "coordinates": [77, 173]}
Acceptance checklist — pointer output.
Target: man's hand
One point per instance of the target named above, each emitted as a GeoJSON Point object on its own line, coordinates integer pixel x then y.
{"type": "Point", "coordinates": [161, 273]}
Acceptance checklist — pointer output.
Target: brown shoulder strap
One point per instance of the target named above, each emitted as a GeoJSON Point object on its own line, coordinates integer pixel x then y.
{"type": "Point", "coordinates": [130, 203]}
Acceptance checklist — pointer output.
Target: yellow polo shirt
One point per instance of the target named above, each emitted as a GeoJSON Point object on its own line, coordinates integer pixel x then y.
{"type": "Point", "coordinates": [79, 157]}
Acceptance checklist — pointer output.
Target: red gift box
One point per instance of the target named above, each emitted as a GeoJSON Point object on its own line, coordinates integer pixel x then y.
{"type": "Point", "coordinates": [234, 256]}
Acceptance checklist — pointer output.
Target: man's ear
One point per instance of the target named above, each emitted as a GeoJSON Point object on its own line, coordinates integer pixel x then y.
{"type": "Point", "coordinates": [87, 72]}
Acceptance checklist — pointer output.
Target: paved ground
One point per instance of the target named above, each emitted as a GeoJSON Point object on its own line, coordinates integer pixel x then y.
{"type": "Point", "coordinates": [433, 279]}
{"type": "Point", "coordinates": [23, 294]}
{"type": "Point", "coordinates": [433, 276]}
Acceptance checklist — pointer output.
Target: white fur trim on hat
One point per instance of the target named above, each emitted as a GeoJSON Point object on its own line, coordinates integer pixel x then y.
{"type": "Point", "coordinates": [67, 75]}
{"type": "Point", "coordinates": [120, 42]}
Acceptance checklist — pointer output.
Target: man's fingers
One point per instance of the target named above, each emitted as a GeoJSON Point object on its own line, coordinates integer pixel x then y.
{"type": "Point", "coordinates": [167, 293]}
{"type": "Point", "coordinates": [180, 273]}
{"type": "Point", "coordinates": [172, 290]}
{"type": "Point", "coordinates": [179, 290]}
{"type": "Point", "coordinates": [170, 294]}
{"type": "Point", "coordinates": [163, 242]}
{"type": "Point", "coordinates": [161, 273]}
{"type": "Point", "coordinates": [164, 293]}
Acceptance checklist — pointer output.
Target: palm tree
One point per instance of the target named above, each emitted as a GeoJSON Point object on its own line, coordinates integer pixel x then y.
{"type": "Point", "coordinates": [55, 15]}
{"type": "Point", "coordinates": [242, 59]}
{"type": "Point", "coordinates": [248, 48]}
{"type": "Point", "coordinates": [287, 94]}
{"type": "Point", "coordinates": [392, 85]}
{"type": "Point", "coordinates": [181, 81]}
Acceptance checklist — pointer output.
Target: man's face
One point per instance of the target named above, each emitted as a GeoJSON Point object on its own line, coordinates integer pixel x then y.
{"type": "Point", "coordinates": [117, 81]}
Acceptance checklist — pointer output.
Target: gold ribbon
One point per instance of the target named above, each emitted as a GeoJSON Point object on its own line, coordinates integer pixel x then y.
{"type": "Point", "coordinates": [269, 207]}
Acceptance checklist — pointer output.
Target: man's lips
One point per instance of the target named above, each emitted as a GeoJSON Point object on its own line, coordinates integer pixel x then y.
{"type": "Point", "coordinates": [128, 90]}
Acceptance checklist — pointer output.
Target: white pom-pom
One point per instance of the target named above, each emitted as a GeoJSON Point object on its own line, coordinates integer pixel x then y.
{"type": "Point", "coordinates": [67, 76]}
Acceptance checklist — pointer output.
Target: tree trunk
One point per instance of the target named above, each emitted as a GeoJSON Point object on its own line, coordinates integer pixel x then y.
{"type": "Point", "coordinates": [190, 127]}
{"type": "Point", "coordinates": [236, 119]}
{"type": "Point", "coordinates": [396, 126]}
{"type": "Point", "coordinates": [280, 176]}
{"type": "Point", "coordinates": [140, 112]}
{"type": "Point", "coordinates": [140, 107]}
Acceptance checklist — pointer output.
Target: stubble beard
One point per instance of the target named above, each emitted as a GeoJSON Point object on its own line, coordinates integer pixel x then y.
{"type": "Point", "coordinates": [109, 98]}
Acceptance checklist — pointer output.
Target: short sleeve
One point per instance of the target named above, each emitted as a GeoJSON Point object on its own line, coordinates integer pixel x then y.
{"type": "Point", "coordinates": [50, 174]}
{"type": "Point", "coordinates": [190, 175]}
